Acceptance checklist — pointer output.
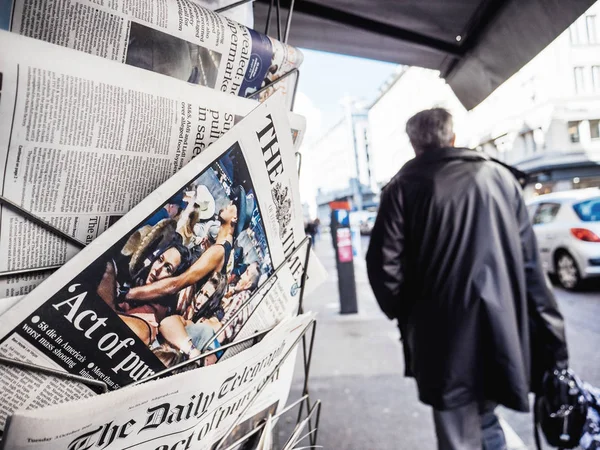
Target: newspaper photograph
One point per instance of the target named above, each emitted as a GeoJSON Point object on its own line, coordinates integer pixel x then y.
{"type": "Point", "coordinates": [177, 38]}
{"type": "Point", "coordinates": [190, 410]}
{"type": "Point", "coordinates": [83, 140]}
{"type": "Point", "coordinates": [158, 286]}
{"type": "Point", "coordinates": [264, 310]}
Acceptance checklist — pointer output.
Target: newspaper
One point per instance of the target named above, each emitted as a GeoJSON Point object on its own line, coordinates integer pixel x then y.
{"type": "Point", "coordinates": [159, 285]}
{"type": "Point", "coordinates": [242, 14]}
{"type": "Point", "coordinates": [8, 303]}
{"type": "Point", "coordinates": [178, 38]}
{"type": "Point", "coordinates": [263, 310]}
{"type": "Point", "coordinates": [83, 140]}
{"type": "Point", "coordinates": [190, 410]}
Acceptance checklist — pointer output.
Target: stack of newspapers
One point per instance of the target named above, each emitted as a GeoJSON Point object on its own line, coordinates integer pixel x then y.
{"type": "Point", "coordinates": [125, 124]}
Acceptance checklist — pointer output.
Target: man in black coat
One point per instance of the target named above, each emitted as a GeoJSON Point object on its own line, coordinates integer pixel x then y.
{"type": "Point", "coordinates": [454, 259]}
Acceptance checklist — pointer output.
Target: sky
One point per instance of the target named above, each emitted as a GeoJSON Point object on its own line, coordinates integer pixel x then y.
{"type": "Point", "coordinates": [326, 78]}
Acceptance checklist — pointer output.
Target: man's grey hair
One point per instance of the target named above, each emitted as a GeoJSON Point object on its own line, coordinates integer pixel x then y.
{"type": "Point", "coordinates": [430, 129]}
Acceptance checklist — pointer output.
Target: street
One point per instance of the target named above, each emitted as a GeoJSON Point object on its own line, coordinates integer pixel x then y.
{"type": "Point", "coordinates": [357, 369]}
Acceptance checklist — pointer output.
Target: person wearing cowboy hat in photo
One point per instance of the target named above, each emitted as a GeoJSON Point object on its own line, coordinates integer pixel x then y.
{"type": "Point", "coordinates": [233, 218]}
{"type": "Point", "coordinates": [198, 218]}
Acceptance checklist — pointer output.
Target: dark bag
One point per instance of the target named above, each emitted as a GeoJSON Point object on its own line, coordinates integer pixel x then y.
{"type": "Point", "coordinates": [591, 430]}
{"type": "Point", "coordinates": [560, 410]}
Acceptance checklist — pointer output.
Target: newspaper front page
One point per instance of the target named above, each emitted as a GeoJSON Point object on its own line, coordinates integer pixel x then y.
{"type": "Point", "coordinates": [178, 38]}
{"type": "Point", "coordinates": [190, 410]}
{"type": "Point", "coordinates": [158, 285]}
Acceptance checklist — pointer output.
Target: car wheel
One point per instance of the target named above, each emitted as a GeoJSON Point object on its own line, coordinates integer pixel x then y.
{"type": "Point", "coordinates": [567, 271]}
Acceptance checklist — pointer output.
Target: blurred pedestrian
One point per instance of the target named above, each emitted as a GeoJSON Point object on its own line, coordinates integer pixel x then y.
{"type": "Point", "coordinates": [317, 224]}
{"type": "Point", "coordinates": [311, 229]}
{"type": "Point", "coordinates": [454, 259]}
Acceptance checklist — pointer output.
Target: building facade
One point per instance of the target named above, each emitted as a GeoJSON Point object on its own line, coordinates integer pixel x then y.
{"type": "Point", "coordinates": [408, 91]}
{"type": "Point", "coordinates": [545, 120]}
{"type": "Point", "coordinates": [340, 163]}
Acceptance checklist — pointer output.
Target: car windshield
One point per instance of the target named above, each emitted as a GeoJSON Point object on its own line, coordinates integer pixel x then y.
{"type": "Point", "coordinates": [588, 211]}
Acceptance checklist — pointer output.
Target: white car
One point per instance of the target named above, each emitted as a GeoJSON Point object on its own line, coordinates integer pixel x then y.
{"type": "Point", "coordinates": [366, 226]}
{"type": "Point", "coordinates": [567, 227]}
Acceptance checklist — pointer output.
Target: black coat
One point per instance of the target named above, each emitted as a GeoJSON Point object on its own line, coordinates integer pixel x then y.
{"type": "Point", "coordinates": [453, 257]}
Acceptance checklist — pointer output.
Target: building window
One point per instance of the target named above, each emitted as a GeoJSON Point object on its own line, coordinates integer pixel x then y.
{"type": "Point", "coordinates": [529, 142]}
{"type": "Point", "coordinates": [590, 23]}
{"type": "Point", "coordinates": [579, 80]}
{"type": "Point", "coordinates": [596, 78]}
{"type": "Point", "coordinates": [584, 31]}
{"type": "Point", "coordinates": [574, 131]}
{"type": "Point", "coordinates": [574, 34]}
{"type": "Point", "coordinates": [595, 129]}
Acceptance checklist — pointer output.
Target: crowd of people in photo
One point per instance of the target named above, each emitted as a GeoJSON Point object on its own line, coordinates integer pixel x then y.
{"type": "Point", "coordinates": [182, 280]}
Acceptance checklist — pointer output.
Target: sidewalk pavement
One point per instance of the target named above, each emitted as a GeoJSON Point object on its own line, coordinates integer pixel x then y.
{"type": "Point", "coordinates": [357, 372]}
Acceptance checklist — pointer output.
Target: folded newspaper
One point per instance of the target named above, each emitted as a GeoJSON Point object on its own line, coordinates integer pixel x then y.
{"type": "Point", "coordinates": [178, 38]}
{"type": "Point", "coordinates": [191, 410]}
{"type": "Point", "coordinates": [83, 140]}
{"type": "Point", "coordinates": [160, 285]}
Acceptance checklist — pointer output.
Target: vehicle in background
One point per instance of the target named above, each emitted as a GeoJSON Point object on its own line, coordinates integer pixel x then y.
{"type": "Point", "coordinates": [567, 227]}
{"type": "Point", "coordinates": [363, 221]}
{"type": "Point", "coordinates": [366, 226]}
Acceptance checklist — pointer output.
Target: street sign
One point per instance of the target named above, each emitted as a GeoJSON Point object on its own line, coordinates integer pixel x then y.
{"type": "Point", "coordinates": [342, 243]}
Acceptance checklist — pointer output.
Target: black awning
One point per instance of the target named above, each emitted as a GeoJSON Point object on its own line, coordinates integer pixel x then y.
{"type": "Point", "coordinates": [475, 44]}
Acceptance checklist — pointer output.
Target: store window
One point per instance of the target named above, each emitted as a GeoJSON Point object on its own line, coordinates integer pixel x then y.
{"type": "Point", "coordinates": [574, 131]}
{"type": "Point", "coordinates": [579, 75]}
{"type": "Point", "coordinates": [543, 188]}
{"type": "Point", "coordinates": [595, 129]}
{"type": "Point", "coordinates": [587, 182]}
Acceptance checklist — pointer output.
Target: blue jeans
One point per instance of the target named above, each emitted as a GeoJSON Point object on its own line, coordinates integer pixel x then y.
{"type": "Point", "coordinates": [200, 334]}
{"type": "Point", "coordinates": [470, 427]}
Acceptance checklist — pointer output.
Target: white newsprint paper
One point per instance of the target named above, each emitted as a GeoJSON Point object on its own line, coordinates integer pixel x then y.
{"type": "Point", "coordinates": [178, 38]}
{"type": "Point", "coordinates": [168, 275]}
{"type": "Point", "coordinates": [83, 140]}
{"type": "Point", "coordinates": [192, 410]}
